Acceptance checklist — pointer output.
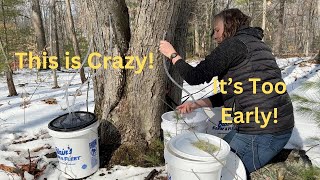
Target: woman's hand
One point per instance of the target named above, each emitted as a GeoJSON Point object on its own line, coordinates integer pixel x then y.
{"type": "Point", "coordinates": [187, 107]}
{"type": "Point", "coordinates": [166, 48]}
{"type": "Point", "coordinates": [190, 106]}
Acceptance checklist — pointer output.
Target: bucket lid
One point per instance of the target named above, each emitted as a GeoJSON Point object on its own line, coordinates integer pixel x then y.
{"type": "Point", "coordinates": [183, 145]}
{"type": "Point", "coordinates": [72, 122]}
{"type": "Point", "coordinates": [196, 116]}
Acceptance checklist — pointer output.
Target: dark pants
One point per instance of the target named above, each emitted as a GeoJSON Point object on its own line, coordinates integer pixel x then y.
{"type": "Point", "coordinates": [256, 151]}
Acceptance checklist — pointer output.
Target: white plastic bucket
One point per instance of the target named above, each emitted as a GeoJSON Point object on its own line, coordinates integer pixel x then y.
{"type": "Point", "coordinates": [234, 168]}
{"type": "Point", "coordinates": [195, 121]}
{"type": "Point", "coordinates": [187, 162]}
{"type": "Point", "coordinates": [166, 139]}
{"type": "Point", "coordinates": [77, 150]}
{"type": "Point", "coordinates": [215, 125]}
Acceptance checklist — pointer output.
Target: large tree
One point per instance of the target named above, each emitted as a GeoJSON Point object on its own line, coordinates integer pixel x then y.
{"type": "Point", "coordinates": [129, 105]}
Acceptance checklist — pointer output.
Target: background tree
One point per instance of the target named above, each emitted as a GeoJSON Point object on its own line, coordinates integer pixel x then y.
{"type": "Point", "coordinates": [7, 39]}
{"type": "Point", "coordinates": [278, 39]}
{"type": "Point", "coordinates": [54, 45]}
{"type": "Point", "coordinates": [38, 26]}
{"type": "Point", "coordinates": [74, 38]}
{"type": "Point", "coordinates": [8, 72]}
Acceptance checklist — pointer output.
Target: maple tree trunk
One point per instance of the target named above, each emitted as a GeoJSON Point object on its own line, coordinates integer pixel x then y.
{"type": "Point", "coordinates": [129, 105]}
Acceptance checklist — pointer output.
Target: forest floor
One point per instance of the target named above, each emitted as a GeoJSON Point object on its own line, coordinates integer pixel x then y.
{"type": "Point", "coordinates": [26, 148]}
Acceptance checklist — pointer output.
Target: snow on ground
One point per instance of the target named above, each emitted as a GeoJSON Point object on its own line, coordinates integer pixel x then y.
{"type": "Point", "coordinates": [117, 172]}
{"type": "Point", "coordinates": [23, 129]}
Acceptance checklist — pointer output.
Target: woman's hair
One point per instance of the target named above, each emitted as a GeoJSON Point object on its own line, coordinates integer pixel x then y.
{"type": "Point", "coordinates": [232, 20]}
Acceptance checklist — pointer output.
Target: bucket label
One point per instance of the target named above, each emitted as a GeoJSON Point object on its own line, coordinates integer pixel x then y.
{"type": "Point", "coordinates": [223, 126]}
{"type": "Point", "coordinates": [93, 152]}
{"type": "Point", "coordinates": [65, 154]}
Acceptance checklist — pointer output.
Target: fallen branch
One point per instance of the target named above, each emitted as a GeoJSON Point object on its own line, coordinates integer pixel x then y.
{"type": "Point", "coordinates": [29, 159]}
{"type": "Point", "coordinates": [152, 174]}
{"type": "Point", "coordinates": [46, 146]}
{"type": "Point", "coordinates": [24, 141]}
{"type": "Point", "coordinates": [312, 147]}
{"type": "Point", "coordinates": [11, 169]}
{"type": "Point", "coordinates": [50, 101]}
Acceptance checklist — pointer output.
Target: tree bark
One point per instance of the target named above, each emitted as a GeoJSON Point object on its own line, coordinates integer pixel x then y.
{"type": "Point", "coordinates": [309, 35]}
{"type": "Point", "coordinates": [61, 30]}
{"type": "Point", "coordinates": [38, 26]}
{"type": "Point", "coordinates": [318, 57]}
{"type": "Point", "coordinates": [55, 34]}
{"type": "Point", "coordinates": [54, 49]}
{"type": "Point", "coordinates": [209, 26]}
{"type": "Point", "coordinates": [129, 105]}
{"type": "Point", "coordinates": [10, 83]}
{"type": "Point", "coordinates": [180, 42]}
{"type": "Point", "coordinates": [8, 73]}
{"type": "Point", "coordinates": [74, 38]}
{"type": "Point", "coordinates": [264, 13]}
{"type": "Point", "coordinates": [196, 38]}
{"type": "Point", "coordinates": [278, 38]}
{"type": "Point", "coordinates": [214, 10]}
{"type": "Point", "coordinates": [306, 32]}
